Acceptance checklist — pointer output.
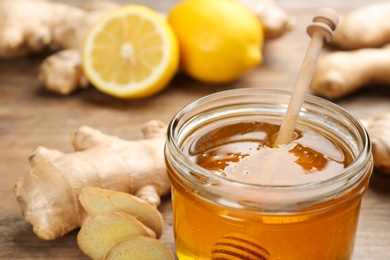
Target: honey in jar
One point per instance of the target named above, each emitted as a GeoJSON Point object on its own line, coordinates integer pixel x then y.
{"type": "Point", "coordinates": [236, 196]}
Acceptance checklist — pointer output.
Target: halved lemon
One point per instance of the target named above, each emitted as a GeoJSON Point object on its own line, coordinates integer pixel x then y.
{"type": "Point", "coordinates": [130, 52]}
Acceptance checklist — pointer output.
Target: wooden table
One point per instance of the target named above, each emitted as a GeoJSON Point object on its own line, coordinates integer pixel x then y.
{"type": "Point", "coordinates": [30, 116]}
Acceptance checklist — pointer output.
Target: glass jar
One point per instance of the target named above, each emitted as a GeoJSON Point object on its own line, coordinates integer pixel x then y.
{"type": "Point", "coordinates": [214, 215]}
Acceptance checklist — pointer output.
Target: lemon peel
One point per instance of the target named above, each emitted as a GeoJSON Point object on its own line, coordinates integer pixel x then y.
{"type": "Point", "coordinates": [219, 40]}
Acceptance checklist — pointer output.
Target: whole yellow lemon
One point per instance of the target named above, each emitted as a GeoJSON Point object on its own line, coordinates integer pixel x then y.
{"type": "Point", "coordinates": [219, 40]}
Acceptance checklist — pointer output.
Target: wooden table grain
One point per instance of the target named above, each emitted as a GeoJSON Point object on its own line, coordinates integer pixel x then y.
{"type": "Point", "coordinates": [30, 116]}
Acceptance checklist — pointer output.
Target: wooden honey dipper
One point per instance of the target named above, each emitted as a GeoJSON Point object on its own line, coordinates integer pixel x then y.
{"type": "Point", "coordinates": [239, 246]}
{"type": "Point", "coordinates": [324, 23]}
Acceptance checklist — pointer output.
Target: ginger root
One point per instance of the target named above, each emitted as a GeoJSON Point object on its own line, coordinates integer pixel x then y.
{"type": "Point", "coordinates": [340, 73]}
{"type": "Point", "coordinates": [378, 129]}
{"type": "Point", "coordinates": [365, 27]}
{"type": "Point", "coordinates": [49, 193]}
{"type": "Point", "coordinates": [28, 27]}
{"type": "Point", "coordinates": [62, 73]}
{"type": "Point", "coordinates": [360, 54]}
{"type": "Point", "coordinates": [276, 22]}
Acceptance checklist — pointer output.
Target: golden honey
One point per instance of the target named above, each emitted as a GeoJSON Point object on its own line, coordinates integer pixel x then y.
{"type": "Point", "coordinates": [236, 197]}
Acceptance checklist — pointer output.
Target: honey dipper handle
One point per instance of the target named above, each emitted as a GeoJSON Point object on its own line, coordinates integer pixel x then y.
{"type": "Point", "coordinates": [324, 23]}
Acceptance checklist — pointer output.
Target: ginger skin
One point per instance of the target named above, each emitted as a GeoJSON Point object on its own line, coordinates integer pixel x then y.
{"type": "Point", "coordinates": [340, 73]}
{"type": "Point", "coordinates": [49, 193]}
{"type": "Point", "coordinates": [364, 27]}
{"type": "Point", "coordinates": [49, 26]}
{"type": "Point", "coordinates": [378, 129]}
{"type": "Point", "coordinates": [275, 21]}
{"type": "Point", "coordinates": [62, 73]}
{"type": "Point", "coordinates": [361, 53]}
{"type": "Point", "coordinates": [28, 27]}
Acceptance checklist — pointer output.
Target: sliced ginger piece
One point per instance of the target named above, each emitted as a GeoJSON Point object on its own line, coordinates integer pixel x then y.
{"type": "Point", "coordinates": [97, 201]}
{"type": "Point", "coordinates": [100, 232]}
{"type": "Point", "coordinates": [140, 248]}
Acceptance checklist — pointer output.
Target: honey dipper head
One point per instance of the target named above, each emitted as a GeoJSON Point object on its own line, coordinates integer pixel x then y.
{"type": "Point", "coordinates": [239, 246]}
{"type": "Point", "coordinates": [325, 21]}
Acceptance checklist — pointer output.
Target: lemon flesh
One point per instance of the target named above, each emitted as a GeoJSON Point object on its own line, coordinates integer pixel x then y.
{"type": "Point", "coordinates": [131, 52]}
